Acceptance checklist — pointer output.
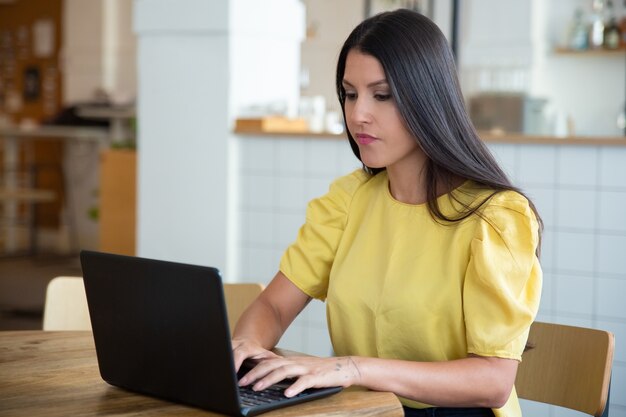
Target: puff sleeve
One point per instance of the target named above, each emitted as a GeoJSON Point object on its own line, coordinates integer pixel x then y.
{"type": "Point", "coordinates": [502, 286]}
{"type": "Point", "coordinates": [307, 262]}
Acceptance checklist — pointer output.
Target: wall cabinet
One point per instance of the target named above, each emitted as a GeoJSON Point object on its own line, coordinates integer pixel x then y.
{"type": "Point", "coordinates": [118, 201]}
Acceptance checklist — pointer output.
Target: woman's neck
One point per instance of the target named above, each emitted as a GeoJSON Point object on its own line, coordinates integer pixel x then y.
{"type": "Point", "coordinates": [408, 184]}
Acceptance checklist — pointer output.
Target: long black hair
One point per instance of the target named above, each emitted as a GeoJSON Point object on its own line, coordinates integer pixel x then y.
{"type": "Point", "coordinates": [421, 73]}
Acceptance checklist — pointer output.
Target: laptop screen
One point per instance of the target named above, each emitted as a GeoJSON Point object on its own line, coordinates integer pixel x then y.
{"type": "Point", "coordinates": [160, 328]}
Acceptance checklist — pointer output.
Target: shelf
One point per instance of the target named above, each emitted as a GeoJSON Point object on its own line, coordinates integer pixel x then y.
{"type": "Point", "coordinates": [521, 138]}
{"type": "Point", "coordinates": [518, 138]}
{"type": "Point", "coordinates": [590, 52]}
{"type": "Point", "coordinates": [271, 125]}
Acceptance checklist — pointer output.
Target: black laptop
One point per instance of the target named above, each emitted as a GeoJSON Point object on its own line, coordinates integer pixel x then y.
{"type": "Point", "coordinates": [160, 328]}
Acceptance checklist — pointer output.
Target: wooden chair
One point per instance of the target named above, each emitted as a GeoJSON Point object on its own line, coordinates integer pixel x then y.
{"type": "Point", "coordinates": [567, 366]}
{"type": "Point", "coordinates": [66, 304]}
{"type": "Point", "coordinates": [238, 298]}
{"type": "Point", "coordinates": [65, 307]}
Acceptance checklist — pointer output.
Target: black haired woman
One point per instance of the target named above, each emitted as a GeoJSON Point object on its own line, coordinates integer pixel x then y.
{"type": "Point", "coordinates": [427, 257]}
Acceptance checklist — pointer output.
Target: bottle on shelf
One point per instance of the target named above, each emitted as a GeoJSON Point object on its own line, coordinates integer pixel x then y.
{"type": "Point", "coordinates": [596, 28]}
{"type": "Point", "coordinates": [577, 37]}
{"type": "Point", "coordinates": [612, 33]}
{"type": "Point", "coordinates": [622, 26]}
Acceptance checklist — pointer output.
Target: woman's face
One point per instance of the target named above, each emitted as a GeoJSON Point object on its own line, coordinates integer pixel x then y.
{"type": "Point", "coordinates": [373, 118]}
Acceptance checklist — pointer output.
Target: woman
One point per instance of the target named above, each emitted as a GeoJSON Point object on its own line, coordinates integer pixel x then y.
{"type": "Point", "coordinates": [426, 257]}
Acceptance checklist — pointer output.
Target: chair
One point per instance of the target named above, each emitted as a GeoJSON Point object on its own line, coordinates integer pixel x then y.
{"type": "Point", "coordinates": [65, 307]}
{"type": "Point", "coordinates": [238, 298]}
{"type": "Point", "coordinates": [66, 303]}
{"type": "Point", "coordinates": [567, 366]}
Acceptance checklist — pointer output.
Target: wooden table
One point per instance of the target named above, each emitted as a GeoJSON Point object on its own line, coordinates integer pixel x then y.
{"type": "Point", "coordinates": [56, 374]}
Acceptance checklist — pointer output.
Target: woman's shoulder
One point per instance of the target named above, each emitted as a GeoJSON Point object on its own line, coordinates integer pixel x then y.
{"type": "Point", "coordinates": [510, 211]}
{"type": "Point", "coordinates": [334, 206]}
{"type": "Point", "coordinates": [510, 200]}
{"type": "Point", "coordinates": [349, 184]}
{"type": "Point", "coordinates": [488, 198]}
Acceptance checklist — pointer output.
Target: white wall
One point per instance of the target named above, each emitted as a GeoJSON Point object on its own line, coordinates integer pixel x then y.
{"type": "Point", "coordinates": [264, 47]}
{"type": "Point", "coordinates": [99, 49]}
{"type": "Point", "coordinates": [580, 191]}
{"type": "Point", "coordinates": [199, 62]}
{"type": "Point", "coordinates": [505, 45]}
{"type": "Point", "coordinates": [278, 177]}
{"type": "Point", "coordinates": [508, 45]}
{"type": "Point", "coordinates": [496, 46]}
{"type": "Point", "coordinates": [329, 23]}
{"type": "Point", "coordinates": [119, 51]}
{"type": "Point", "coordinates": [588, 88]}
{"type": "Point", "coordinates": [82, 62]}
{"type": "Point", "coordinates": [183, 125]}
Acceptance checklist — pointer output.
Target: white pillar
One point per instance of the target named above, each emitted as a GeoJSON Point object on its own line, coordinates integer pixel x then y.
{"type": "Point", "coordinates": [198, 62]}
{"type": "Point", "coordinates": [183, 78]}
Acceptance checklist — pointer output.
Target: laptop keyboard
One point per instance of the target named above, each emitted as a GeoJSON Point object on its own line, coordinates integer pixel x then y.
{"type": "Point", "coordinates": [251, 398]}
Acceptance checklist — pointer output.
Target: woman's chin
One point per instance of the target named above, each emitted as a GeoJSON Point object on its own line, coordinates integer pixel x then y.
{"type": "Point", "coordinates": [372, 164]}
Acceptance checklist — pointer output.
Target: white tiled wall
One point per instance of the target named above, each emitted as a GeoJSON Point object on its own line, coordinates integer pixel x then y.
{"type": "Point", "coordinates": [278, 177]}
{"type": "Point", "coordinates": [580, 192]}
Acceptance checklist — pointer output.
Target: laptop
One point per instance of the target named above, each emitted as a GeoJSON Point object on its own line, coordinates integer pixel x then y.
{"type": "Point", "coordinates": [160, 328]}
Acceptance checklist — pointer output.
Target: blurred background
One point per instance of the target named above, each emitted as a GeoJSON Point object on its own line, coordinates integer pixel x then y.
{"type": "Point", "coordinates": [197, 130]}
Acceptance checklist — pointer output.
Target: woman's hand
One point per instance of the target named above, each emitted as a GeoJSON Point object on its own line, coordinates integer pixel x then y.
{"type": "Point", "coordinates": [262, 324]}
{"type": "Point", "coordinates": [245, 349]}
{"type": "Point", "coordinates": [309, 372]}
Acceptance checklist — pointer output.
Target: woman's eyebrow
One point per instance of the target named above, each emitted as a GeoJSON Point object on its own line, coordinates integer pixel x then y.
{"type": "Point", "coordinates": [372, 84]}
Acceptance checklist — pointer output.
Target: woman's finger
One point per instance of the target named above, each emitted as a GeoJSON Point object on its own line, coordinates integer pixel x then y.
{"type": "Point", "coordinates": [261, 370]}
{"type": "Point", "coordinates": [243, 350]}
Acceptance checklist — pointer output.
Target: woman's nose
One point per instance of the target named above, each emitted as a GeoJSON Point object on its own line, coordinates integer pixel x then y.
{"type": "Point", "coordinates": [361, 112]}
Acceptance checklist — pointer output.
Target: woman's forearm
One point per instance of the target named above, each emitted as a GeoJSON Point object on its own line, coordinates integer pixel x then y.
{"type": "Point", "coordinates": [259, 323]}
{"type": "Point", "coordinates": [470, 382]}
{"type": "Point", "coordinates": [267, 318]}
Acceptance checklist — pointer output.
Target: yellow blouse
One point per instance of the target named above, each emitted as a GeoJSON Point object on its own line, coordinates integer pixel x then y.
{"type": "Point", "coordinates": [399, 284]}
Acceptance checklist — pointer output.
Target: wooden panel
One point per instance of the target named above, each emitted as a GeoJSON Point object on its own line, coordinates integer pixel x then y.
{"type": "Point", "coordinates": [47, 171]}
{"type": "Point", "coordinates": [31, 89]}
{"type": "Point", "coordinates": [26, 75]}
{"type": "Point", "coordinates": [566, 366]}
{"type": "Point", "coordinates": [118, 171]}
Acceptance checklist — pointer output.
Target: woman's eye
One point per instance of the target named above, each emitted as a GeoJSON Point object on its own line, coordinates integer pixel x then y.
{"type": "Point", "coordinates": [350, 95]}
{"type": "Point", "coordinates": [382, 97]}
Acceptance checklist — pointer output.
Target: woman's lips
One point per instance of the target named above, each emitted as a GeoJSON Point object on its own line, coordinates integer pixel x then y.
{"type": "Point", "coordinates": [365, 139]}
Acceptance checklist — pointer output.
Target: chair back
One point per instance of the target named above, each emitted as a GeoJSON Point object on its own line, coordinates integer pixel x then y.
{"type": "Point", "coordinates": [65, 307]}
{"type": "Point", "coordinates": [238, 298]}
{"type": "Point", "coordinates": [567, 366]}
{"type": "Point", "coordinates": [66, 303]}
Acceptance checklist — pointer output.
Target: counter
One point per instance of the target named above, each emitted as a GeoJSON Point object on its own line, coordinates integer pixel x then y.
{"type": "Point", "coordinates": [486, 136]}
